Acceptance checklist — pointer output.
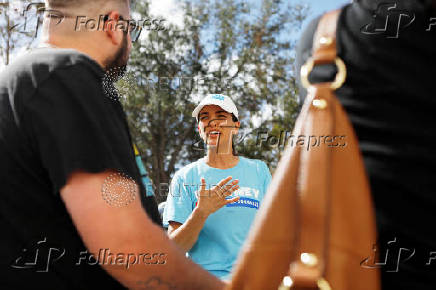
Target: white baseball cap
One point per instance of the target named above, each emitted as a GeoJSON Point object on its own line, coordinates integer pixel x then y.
{"type": "Point", "coordinates": [223, 101]}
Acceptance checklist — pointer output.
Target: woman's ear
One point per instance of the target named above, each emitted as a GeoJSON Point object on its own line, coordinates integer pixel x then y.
{"type": "Point", "coordinates": [237, 126]}
{"type": "Point", "coordinates": [235, 129]}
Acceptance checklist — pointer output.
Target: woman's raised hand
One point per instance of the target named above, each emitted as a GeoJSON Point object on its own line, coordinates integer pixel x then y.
{"type": "Point", "coordinates": [211, 200]}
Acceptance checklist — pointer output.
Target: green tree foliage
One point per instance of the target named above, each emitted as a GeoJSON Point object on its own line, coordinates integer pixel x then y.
{"type": "Point", "coordinates": [19, 25]}
{"type": "Point", "coordinates": [229, 47]}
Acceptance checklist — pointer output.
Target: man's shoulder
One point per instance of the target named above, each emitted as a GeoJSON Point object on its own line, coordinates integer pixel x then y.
{"type": "Point", "coordinates": [37, 65]}
{"type": "Point", "coordinates": [51, 68]}
{"type": "Point", "coordinates": [55, 58]}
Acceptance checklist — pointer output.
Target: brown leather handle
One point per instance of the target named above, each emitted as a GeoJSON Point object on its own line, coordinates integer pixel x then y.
{"type": "Point", "coordinates": [290, 240]}
{"type": "Point", "coordinates": [315, 193]}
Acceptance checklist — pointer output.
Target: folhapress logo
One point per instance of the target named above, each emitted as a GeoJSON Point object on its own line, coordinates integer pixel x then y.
{"type": "Point", "coordinates": [38, 256]}
{"type": "Point", "coordinates": [389, 21]}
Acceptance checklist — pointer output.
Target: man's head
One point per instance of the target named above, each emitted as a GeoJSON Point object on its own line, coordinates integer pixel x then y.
{"type": "Point", "coordinates": [98, 28]}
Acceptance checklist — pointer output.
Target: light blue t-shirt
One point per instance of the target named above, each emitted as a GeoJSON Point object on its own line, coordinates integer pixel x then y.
{"type": "Point", "coordinates": [225, 230]}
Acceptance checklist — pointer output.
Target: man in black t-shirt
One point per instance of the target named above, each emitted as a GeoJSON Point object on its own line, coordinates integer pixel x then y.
{"type": "Point", "coordinates": [389, 50]}
{"type": "Point", "coordinates": [69, 184]}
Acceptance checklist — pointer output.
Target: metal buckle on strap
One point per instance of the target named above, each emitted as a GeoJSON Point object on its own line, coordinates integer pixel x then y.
{"type": "Point", "coordinates": [287, 284]}
{"type": "Point", "coordinates": [339, 79]}
{"type": "Point", "coordinates": [310, 260]}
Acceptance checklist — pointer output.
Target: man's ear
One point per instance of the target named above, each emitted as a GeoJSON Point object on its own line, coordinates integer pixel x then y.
{"type": "Point", "coordinates": [112, 29]}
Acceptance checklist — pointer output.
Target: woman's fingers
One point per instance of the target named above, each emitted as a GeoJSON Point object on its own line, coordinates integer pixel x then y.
{"type": "Point", "coordinates": [231, 190]}
{"type": "Point", "coordinates": [232, 200]}
{"type": "Point", "coordinates": [224, 181]}
{"type": "Point", "coordinates": [203, 184]}
{"type": "Point", "coordinates": [226, 190]}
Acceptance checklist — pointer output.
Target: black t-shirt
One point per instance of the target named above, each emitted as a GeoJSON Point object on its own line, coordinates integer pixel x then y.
{"type": "Point", "coordinates": [55, 119]}
{"type": "Point", "coordinates": [389, 96]}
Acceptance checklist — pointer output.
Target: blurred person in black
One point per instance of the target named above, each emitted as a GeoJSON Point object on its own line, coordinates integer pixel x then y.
{"type": "Point", "coordinates": [69, 181]}
{"type": "Point", "coordinates": [389, 95]}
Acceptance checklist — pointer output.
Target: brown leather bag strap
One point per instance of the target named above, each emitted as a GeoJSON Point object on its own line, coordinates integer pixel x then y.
{"type": "Point", "coordinates": [314, 190]}
{"type": "Point", "coordinates": [324, 49]}
{"type": "Point", "coordinates": [324, 40]}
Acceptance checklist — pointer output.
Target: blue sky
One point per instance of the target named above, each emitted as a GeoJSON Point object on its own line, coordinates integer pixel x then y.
{"type": "Point", "coordinates": [318, 7]}
{"type": "Point", "coordinates": [171, 10]}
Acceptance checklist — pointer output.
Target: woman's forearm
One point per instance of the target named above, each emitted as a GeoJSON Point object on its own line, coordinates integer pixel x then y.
{"type": "Point", "coordinates": [186, 235]}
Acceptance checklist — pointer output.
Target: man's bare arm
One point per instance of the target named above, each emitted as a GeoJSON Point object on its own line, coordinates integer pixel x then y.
{"type": "Point", "coordinates": [127, 229]}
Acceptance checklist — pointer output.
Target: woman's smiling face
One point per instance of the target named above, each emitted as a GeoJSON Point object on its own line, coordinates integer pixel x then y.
{"type": "Point", "coordinates": [216, 125]}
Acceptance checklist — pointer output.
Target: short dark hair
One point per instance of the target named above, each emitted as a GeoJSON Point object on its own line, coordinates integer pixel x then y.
{"type": "Point", "coordinates": [234, 152]}
{"type": "Point", "coordinates": [76, 3]}
{"type": "Point", "coordinates": [64, 3]}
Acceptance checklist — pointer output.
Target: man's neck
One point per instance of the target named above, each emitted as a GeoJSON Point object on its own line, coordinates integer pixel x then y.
{"type": "Point", "coordinates": [73, 45]}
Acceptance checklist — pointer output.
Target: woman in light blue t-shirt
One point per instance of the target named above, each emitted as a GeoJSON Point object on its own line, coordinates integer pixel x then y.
{"type": "Point", "coordinates": [212, 202]}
